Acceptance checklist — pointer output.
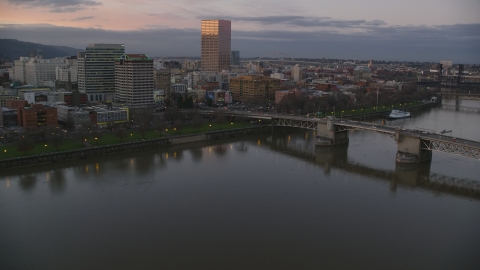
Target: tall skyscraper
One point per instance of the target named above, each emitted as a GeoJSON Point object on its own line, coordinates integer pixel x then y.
{"type": "Point", "coordinates": [96, 71]}
{"type": "Point", "coordinates": [134, 81]}
{"type": "Point", "coordinates": [216, 43]}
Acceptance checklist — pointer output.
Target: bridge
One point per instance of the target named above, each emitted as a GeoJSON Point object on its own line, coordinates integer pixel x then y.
{"type": "Point", "coordinates": [413, 145]}
{"type": "Point", "coordinates": [451, 88]}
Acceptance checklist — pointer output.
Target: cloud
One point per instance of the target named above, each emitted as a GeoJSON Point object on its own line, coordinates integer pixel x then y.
{"type": "Point", "coordinates": [83, 18]}
{"type": "Point", "coordinates": [306, 21]}
{"type": "Point", "coordinates": [459, 42]}
{"type": "Point", "coordinates": [56, 6]}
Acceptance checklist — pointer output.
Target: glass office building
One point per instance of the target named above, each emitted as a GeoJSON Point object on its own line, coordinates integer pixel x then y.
{"type": "Point", "coordinates": [216, 44]}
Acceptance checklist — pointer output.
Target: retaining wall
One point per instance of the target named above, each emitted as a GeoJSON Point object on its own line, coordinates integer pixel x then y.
{"type": "Point", "coordinates": [129, 146]}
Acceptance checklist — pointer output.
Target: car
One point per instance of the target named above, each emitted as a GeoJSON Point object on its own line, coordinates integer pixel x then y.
{"type": "Point", "coordinates": [454, 139]}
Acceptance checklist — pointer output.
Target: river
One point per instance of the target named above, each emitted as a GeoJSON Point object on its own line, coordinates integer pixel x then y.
{"type": "Point", "coordinates": [258, 202]}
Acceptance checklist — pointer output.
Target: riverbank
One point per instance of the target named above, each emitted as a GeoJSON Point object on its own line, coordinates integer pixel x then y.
{"type": "Point", "coordinates": [92, 151]}
{"type": "Point", "coordinates": [369, 115]}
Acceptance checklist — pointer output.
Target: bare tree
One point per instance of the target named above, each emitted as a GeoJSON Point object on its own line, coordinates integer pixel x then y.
{"type": "Point", "coordinates": [121, 133]}
{"type": "Point", "coordinates": [220, 119]}
{"type": "Point", "coordinates": [24, 144]}
{"type": "Point", "coordinates": [177, 125]}
{"type": "Point", "coordinates": [198, 122]}
{"type": "Point", "coordinates": [160, 124]}
{"type": "Point", "coordinates": [172, 114]}
{"type": "Point", "coordinates": [55, 137]}
{"type": "Point", "coordinates": [81, 136]}
{"type": "Point", "coordinates": [142, 119]}
{"type": "Point", "coordinates": [95, 133]}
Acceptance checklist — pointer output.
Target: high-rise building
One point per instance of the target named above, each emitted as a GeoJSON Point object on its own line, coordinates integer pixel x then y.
{"type": "Point", "coordinates": [134, 81]}
{"type": "Point", "coordinates": [38, 71]}
{"type": "Point", "coordinates": [96, 71]}
{"type": "Point", "coordinates": [216, 43]}
{"type": "Point", "coordinates": [235, 58]}
{"type": "Point", "coordinates": [162, 80]}
{"type": "Point", "coordinates": [19, 72]}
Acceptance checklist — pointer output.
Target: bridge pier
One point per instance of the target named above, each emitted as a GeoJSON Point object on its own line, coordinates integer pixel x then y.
{"type": "Point", "coordinates": [328, 135]}
{"type": "Point", "coordinates": [409, 149]}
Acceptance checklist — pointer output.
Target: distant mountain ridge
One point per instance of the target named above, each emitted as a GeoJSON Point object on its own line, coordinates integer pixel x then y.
{"type": "Point", "coordinates": [12, 49]}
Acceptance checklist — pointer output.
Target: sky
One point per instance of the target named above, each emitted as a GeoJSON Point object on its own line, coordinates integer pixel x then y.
{"type": "Point", "coordinates": [407, 30]}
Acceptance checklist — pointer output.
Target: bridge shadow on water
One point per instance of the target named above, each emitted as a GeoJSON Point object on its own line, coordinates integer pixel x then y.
{"type": "Point", "coordinates": [335, 157]}
{"type": "Point", "coordinates": [404, 175]}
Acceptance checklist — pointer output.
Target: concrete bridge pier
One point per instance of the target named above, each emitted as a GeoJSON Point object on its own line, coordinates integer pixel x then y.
{"type": "Point", "coordinates": [327, 134]}
{"type": "Point", "coordinates": [409, 149]}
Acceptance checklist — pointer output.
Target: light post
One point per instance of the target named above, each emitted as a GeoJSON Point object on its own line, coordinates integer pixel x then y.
{"type": "Point", "coordinates": [341, 115]}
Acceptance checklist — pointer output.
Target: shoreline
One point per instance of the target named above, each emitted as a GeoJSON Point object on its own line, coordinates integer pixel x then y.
{"type": "Point", "coordinates": [93, 151]}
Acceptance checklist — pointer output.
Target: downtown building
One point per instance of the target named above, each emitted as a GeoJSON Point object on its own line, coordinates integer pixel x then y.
{"type": "Point", "coordinates": [254, 88]}
{"type": "Point", "coordinates": [216, 44]}
{"type": "Point", "coordinates": [96, 71]}
{"type": "Point", "coordinates": [134, 81]}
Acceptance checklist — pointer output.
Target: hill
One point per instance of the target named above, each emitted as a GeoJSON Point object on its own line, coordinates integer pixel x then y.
{"type": "Point", "coordinates": [12, 49]}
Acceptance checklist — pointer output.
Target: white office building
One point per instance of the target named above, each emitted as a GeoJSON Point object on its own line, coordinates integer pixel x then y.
{"type": "Point", "coordinates": [134, 81]}
{"type": "Point", "coordinates": [297, 73]}
{"type": "Point", "coordinates": [38, 71]}
{"type": "Point", "coordinates": [96, 71]}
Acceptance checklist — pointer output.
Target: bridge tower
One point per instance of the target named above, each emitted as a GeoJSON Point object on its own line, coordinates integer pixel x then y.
{"type": "Point", "coordinates": [410, 150]}
{"type": "Point", "coordinates": [328, 134]}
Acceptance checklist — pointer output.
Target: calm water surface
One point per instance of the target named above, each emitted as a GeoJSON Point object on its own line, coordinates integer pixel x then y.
{"type": "Point", "coordinates": [259, 202]}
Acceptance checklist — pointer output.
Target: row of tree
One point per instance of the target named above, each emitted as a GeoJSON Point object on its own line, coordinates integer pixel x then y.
{"type": "Point", "coordinates": [302, 103]}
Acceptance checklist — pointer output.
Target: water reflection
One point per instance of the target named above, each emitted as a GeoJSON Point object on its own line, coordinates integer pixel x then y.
{"type": "Point", "coordinates": [28, 181]}
{"type": "Point", "coordinates": [143, 164]}
{"type": "Point", "coordinates": [288, 143]}
{"type": "Point", "coordinates": [221, 149]}
{"type": "Point", "coordinates": [57, 181]}
{"type": "Point", "coordinates": [241, 147]}
{"type": "Point", "coordinates": [197, 154]}
{"type": "Point", "coordinates": [405, 175]}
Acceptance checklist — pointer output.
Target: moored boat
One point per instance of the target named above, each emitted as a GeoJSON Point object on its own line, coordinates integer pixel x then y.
{"type": "Point", "coordinates": [397, 114]}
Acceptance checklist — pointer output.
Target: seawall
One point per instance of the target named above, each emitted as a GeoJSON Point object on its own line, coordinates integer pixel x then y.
{"type": "Point", "coordinates": [128, 146]}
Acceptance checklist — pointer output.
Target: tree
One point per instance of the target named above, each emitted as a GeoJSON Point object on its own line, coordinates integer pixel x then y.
{"type": "Point", "coordinates": [220, 119]}
{"type": "Point", "coordinates": [55, 137]}
{"type": "Point", "coordinates": [160, 124]}
{"type": "Point", "coordinates": [121, 133]}
{"type": "Point", "coordinates": [142, 120]}
{"type": "Point", "coordinates": [177, 125]}
{"type": "Point", "coordinates": [198, 122]}
{"type": "Point", "coordinates": [95, 133]}
{"type": "Point", "coordinates": [172, 114]}
{"type": "Point", "coordinates": [24, 144]}
{"type": "Point", "coordinates": [81, 136]}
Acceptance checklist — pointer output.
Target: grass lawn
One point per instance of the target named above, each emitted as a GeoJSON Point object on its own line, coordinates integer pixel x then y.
{"type": "Point", "coordinates": [207, 127]}
{"type": "Point", "coordinates": [132, 135]}
{"type": "Point", "coordinates": [10, 151]}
